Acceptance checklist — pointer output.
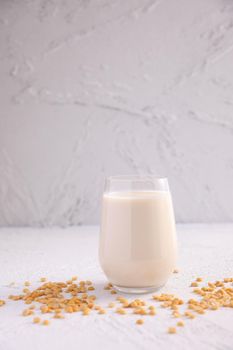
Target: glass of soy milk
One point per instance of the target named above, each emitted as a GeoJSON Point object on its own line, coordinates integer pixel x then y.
{"type": "Point", "coordinates": [138, 248]}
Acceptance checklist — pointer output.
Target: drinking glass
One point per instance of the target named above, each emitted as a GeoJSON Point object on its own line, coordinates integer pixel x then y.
{"type": "Point", "coordinates": [137, 248]}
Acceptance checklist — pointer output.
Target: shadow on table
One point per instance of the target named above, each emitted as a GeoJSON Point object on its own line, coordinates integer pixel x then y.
{"type": "Point", "coordinates": [103, 295]}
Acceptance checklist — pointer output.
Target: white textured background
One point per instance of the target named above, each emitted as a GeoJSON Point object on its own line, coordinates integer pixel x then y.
{"type": "Point", "coordinates": [93, 88]}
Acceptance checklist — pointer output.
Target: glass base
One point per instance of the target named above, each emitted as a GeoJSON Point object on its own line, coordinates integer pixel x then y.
{"type": "Point", "coordinates": [137, 290]}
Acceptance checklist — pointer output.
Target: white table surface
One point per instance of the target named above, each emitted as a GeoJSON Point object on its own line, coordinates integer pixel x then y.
{"type": "Point", "coordinates": [58, 254]}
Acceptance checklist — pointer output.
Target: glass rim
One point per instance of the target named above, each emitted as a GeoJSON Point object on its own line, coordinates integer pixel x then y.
{"type": "Point", "coordinates": [143, 177]}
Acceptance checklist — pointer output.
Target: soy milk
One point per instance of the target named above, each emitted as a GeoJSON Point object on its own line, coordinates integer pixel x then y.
{"type": "Point", "coordinates": [138, 239]}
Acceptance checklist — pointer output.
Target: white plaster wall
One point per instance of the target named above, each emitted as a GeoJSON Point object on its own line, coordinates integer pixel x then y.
{"type": "Point", "coordinates": [91, 88]}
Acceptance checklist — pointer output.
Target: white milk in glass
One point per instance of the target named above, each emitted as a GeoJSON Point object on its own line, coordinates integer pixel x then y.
{"type": "Point", "coordinates": [138, 239]}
